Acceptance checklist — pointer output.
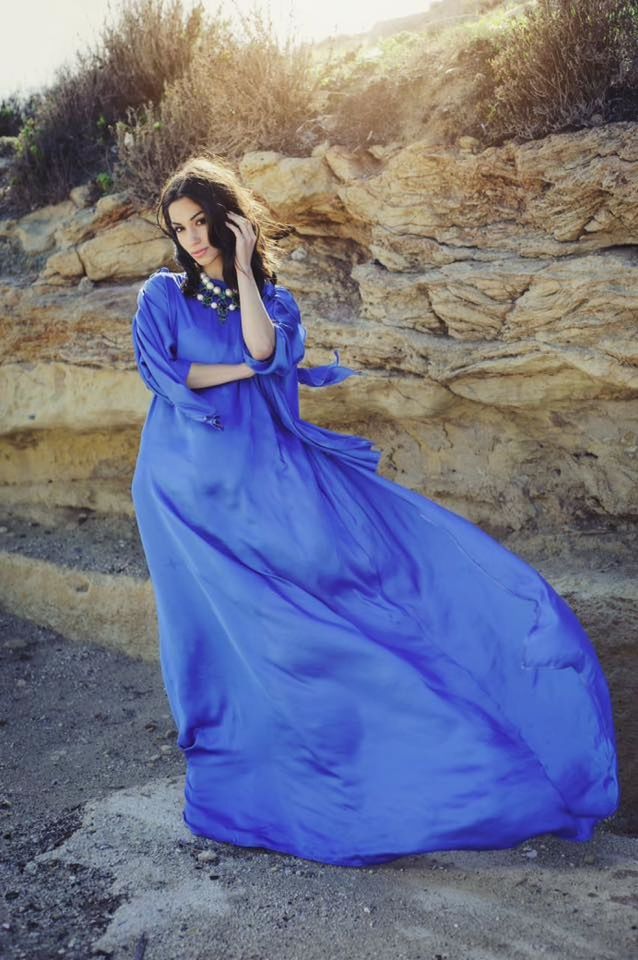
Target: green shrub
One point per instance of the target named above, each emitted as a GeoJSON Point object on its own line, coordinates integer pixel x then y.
{"type": "Point", "coordinates": [14, 112]}
{"type": "Point", "coordinates": [104, 182]}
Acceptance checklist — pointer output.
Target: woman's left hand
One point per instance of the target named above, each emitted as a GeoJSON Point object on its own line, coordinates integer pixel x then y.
{"type": "Point", "coordinates": [245, 240]}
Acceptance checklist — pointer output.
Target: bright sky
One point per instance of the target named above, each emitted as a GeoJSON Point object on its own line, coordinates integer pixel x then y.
{"type": "Point", "coordinates": [38, 35]}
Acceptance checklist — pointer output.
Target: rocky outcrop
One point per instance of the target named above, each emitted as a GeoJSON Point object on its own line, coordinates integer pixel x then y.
{"type": "Point", "coordinates": [488, 296]}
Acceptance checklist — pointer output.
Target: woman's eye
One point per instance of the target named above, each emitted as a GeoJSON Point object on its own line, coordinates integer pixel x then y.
{"type": "Point", "coordinates": [198, 223]}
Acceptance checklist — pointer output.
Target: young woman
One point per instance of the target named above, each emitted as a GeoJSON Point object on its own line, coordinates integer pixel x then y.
{"type": "Point", "coordinates": [356, 673]}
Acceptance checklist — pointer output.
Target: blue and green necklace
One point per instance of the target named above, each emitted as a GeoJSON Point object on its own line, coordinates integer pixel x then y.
{"type": "Point", "coordinates": [218, 298]}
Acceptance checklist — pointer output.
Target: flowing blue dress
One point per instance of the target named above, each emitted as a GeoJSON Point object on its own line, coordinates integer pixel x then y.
{"type": "Point", "coordinates": [355, 672]}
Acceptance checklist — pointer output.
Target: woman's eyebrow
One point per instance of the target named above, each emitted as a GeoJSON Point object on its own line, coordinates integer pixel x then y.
{"type": "Point", "coordinates": [176, 224]}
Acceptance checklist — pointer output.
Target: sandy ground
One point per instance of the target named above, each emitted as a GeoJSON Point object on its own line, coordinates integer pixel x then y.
{"type": "Point", "coordinates": [97, 860]}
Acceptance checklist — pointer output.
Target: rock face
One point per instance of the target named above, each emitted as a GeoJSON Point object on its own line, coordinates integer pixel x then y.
{"type": "Point", "coordinates": [489, 297]}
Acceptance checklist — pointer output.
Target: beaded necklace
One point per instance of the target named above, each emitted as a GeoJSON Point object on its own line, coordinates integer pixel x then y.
{"type": "Point", "coordinates": [220, 299]}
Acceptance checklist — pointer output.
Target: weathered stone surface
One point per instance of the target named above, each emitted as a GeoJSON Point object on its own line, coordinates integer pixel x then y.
{"type": "Point", "coordinates": [302, 189]}
{"type": "Point", "coordinates": [487, 298]}
{"type": "Point", "coordinates": [566, 194]}
{"type": "Point", "coordinates": [65, 263]}
{"type": "Point", "coordinates": [90, 220]}
{"type": "Point", "coordinates": [347, 166]}
{"type": "Point", "coordinates": [36, 231]}
{"type": "Point", "coordinates": [81, 196]}
{"type": "Point", "coordinates": [47, 396]}
{"type": "Point", "coordinates": [7, 228]}
{"type": "Point", "coordinates": [132, 248]}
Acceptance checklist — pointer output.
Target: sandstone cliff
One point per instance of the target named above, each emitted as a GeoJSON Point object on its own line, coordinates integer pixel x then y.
{"type": "Point", "coordinates": [489, 296]}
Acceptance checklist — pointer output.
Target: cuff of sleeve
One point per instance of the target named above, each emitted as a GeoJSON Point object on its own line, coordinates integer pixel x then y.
{"type": "Point", "coordinates": [275, 361]}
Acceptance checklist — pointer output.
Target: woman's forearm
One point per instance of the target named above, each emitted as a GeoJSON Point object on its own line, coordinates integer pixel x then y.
{"type": "Point", "coordinates": [212, 374]}
{"type": "Point", "coordinates": [257, 327]}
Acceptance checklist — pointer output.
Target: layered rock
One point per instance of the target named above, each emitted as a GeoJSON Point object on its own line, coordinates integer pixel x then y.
{"type": "Point", "coordinates": [488, 297]}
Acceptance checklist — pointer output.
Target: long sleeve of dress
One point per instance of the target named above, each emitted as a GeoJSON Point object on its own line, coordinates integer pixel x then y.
{"type": "Point", "coordinates": [290, 333]}
{"type": "Point", "coordinates": [154, 345]}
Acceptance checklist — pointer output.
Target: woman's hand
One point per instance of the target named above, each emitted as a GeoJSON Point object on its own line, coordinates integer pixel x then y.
{"type": "Point", "coordinates": [245, 240]}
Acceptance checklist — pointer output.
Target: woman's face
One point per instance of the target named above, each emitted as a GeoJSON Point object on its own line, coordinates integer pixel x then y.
{"type": "Point", "coordinates": [188, 220]}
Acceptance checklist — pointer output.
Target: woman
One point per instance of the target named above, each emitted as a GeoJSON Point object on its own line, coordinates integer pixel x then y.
{"type": "Point", "coordinates": [355, 672]}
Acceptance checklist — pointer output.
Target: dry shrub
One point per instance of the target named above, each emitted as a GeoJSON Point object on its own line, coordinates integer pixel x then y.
{"type": "Point", "coordinates": [469, 115]}
{"type": "Point", "coordinates": [561, 65]}
{"type": "Point", "coordinates": [147, 46]}
{"type": "Point", "coordinates": [62, 141]}
{"type": "Point", "coordinates": [70, 137]}
{"type": "Point", "coordinates": [238, 94]}
{"type": "Point", "coordinates": [363, 104]}
{"type": "Point", "coordinates": [370, 115]}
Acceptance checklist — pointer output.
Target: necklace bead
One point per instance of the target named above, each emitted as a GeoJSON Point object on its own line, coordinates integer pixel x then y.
{"type": "Point", "coordinates": [219, 299]}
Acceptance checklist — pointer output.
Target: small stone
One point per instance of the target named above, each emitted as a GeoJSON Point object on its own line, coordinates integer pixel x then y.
{"type": "Point", "coordinates": [208, 856]}
{"type": "Point", "coordinates": [469, 144]}
{"type": "Point", "coordinates": [531, 854]}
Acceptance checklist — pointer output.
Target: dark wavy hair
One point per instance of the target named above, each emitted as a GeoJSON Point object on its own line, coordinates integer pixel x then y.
{"type": "Point", "coordinates": [214, 185]}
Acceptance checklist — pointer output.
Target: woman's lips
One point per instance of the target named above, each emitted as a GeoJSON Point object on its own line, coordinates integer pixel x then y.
{"type": "Point", "coordinates": [198, 253]}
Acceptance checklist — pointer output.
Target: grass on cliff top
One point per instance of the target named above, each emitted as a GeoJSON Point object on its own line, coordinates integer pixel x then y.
{"type": "Point", "coordinates": [164, 81]}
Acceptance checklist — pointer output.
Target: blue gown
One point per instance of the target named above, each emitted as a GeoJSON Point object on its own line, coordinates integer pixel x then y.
{"type": "Point", "coordinates": [355, 672]}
